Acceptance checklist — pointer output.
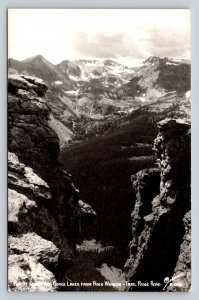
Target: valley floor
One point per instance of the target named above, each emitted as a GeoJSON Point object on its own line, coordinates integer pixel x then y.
{"type": "Point", "coordinates": [94, 270]}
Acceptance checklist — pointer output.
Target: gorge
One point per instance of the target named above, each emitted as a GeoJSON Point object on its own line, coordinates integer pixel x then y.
{"type": "Point", "coordinates": [52, 134]}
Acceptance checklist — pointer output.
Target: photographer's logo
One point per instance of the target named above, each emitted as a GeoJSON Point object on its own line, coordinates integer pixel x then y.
{"type": "Point", "coordinates": [173, 281]}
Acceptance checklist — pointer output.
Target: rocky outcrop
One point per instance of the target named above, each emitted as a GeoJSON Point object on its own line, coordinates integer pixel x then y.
{"type": "Point", "coordinates": [44, 213]}
{"type": "Point", "coordinates": [30, 260]}
{"type": "Point", "coordinates": [29, 135]}
{"type": "Point", "coordinates": [28, 202]}
{"type": "Point", "coordinates": [181, 280]}
{"type": "Point", "coordinates": [33, 232]}
{"type": "Point", "coordinates": [160, 247]}
{"type": "Point", "coordinates": [27, 274]}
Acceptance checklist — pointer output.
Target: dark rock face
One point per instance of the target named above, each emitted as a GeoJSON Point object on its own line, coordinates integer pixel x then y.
{"type": "Point", "coordinates": [160, 247]}
{"type": "Point", "coordinates": [43, 204]}
{"type": "Point", "coordinates": [181, 280]}
{"type": "Point", "coordinates": [29, 135]}
{"type": "Point", "coordinates": [35, 143]}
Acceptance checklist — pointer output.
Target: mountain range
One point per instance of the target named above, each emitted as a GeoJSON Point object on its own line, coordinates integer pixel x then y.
{"type": "Point", "coordinates": [88, 97]}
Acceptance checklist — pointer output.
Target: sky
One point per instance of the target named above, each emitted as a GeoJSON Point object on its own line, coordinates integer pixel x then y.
{"type": "Point", "coordinates": [122, 34]}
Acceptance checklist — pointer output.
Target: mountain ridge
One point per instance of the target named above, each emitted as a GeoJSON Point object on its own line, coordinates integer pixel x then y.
{"type": "Point", "coordinates": [85, 94]}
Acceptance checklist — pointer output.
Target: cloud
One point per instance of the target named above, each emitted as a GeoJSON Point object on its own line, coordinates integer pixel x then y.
{"type": "Point", "coordinates": [106, 45]}
{"type": "Point", "coordinates": [137, 44]}
{"type": "Point", "coordinates": [164, 42]}
{"type": "Point", "coordinates": [60, 34]}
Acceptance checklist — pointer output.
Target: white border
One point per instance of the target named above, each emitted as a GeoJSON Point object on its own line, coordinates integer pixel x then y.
{"type": "Point", "coordinates": [194, 5]}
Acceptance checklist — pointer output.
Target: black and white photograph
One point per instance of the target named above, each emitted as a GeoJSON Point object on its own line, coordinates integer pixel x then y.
{"type": "Point", "coordinates": [99, 150]}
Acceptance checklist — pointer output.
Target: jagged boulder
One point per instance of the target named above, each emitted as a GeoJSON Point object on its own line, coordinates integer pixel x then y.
{"type": "Point", "coordinates": [159, 232]}
{"type": "Point", "coordinates": [26, 83]}
{"type": "Point", "coordinates": [25, 273]}
{"type": "Point", "coordinates": [42, 250]}
{"type": "Point", "coordinates": [23, 179]}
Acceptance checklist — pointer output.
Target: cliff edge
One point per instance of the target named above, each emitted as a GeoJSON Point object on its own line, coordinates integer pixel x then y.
{"type": "Point", "coordinates": [44, 210]}
{"type": "Point", "coordinates": [160, 249]}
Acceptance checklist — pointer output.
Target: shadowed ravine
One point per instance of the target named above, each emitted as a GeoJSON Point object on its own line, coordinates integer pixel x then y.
{"type": "Point", "coordinates": [93, 269]}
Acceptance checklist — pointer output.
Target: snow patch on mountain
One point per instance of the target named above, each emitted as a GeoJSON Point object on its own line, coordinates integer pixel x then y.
{"type": "Point", "coordinates": [75, 78]}
{"type": "Point", "coordinates": [171, 63]}
{"type": "Point", "coordinates": [58, 82]}
{"type": "Point", "coordinates": [72, 93]}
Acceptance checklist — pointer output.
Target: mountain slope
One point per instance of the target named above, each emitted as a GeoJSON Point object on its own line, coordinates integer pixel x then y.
{"type": "Point", "coordinates": [156, 77]}
{"type": "Point", "coordinates": [89, 97]}
{"type": "Point", "coordinates": [37, 66]}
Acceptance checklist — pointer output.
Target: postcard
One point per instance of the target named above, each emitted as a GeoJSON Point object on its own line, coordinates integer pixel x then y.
{"type": "Point", "coordinates": [99, 130]}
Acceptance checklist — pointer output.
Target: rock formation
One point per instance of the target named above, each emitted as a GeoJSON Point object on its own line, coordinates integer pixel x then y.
{"type": "Point", "coordinates": [181, 280]}
{"type": "Point", "coordinates": [44, 212]}
{"type": "Point", "coordinates": [160, 247]}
